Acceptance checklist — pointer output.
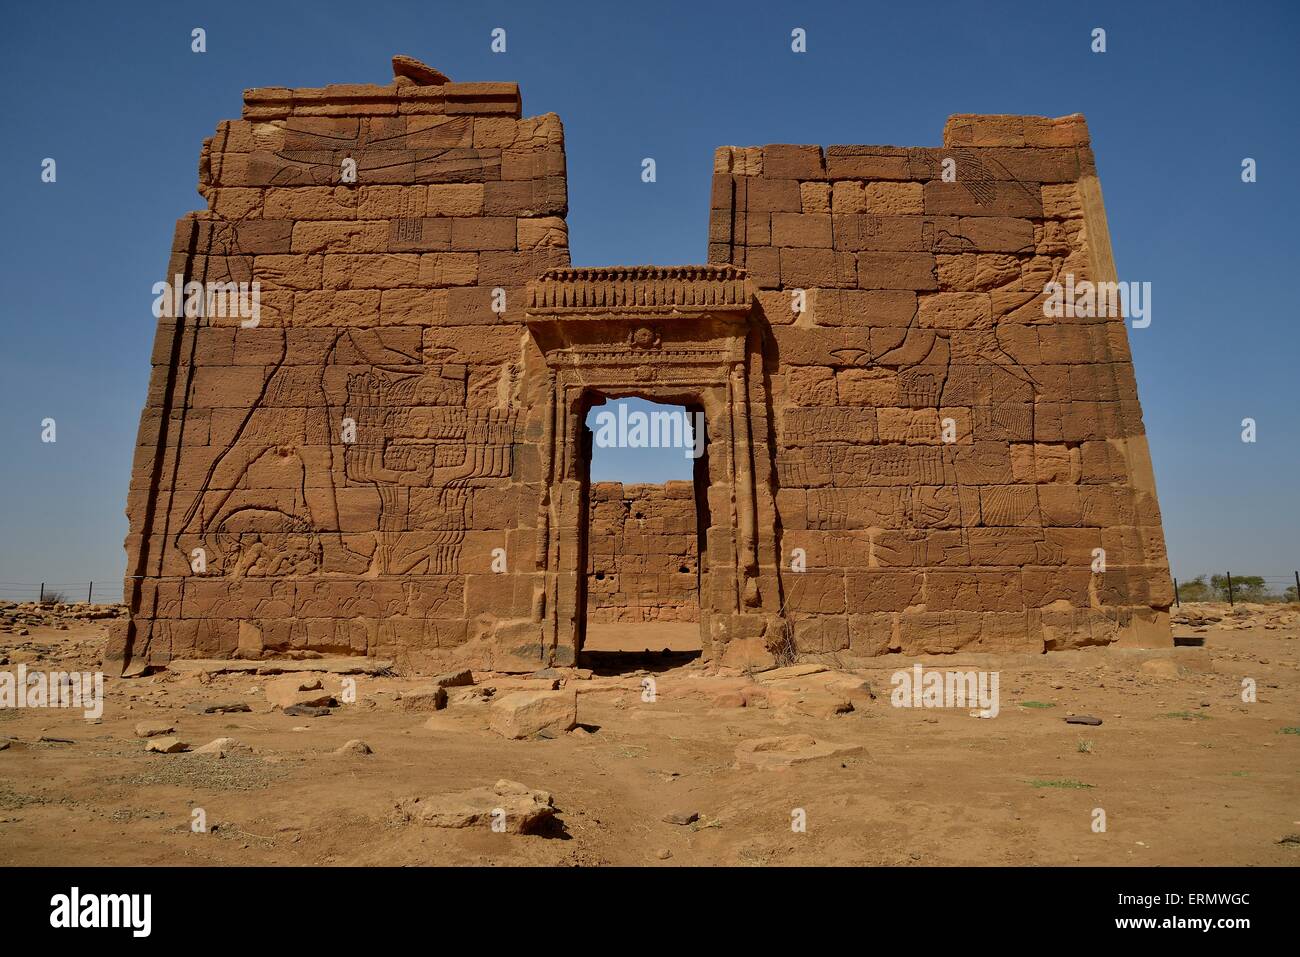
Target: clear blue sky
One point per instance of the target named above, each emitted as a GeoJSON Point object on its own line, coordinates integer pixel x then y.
{"type": "Point", "coordinates": [1184, 92]}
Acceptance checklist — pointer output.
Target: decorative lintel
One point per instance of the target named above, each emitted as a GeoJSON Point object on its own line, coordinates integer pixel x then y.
{"type": "Point", "coordinates": [658, 290]}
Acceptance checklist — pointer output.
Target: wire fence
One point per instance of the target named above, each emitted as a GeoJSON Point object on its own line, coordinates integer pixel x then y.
{"type": "Point", "coordinates": [1234, 587]}
{"type": "Point", "coordinates": [105, 591]}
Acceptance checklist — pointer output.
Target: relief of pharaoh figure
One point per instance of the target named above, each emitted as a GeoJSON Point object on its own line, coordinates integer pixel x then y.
{"type": "Point", "coordinates": [306, 487]}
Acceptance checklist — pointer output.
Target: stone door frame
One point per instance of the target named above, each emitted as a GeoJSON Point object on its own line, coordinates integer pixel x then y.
{"type": "Point", "coordinates": [680, 335]}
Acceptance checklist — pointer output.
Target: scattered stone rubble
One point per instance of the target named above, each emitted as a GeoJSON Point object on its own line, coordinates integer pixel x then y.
{"type": "Point", "coordinates": [1199, 616]}
{"type": "Point", "coordinates": [18, 617]}
{"type": "Point", "coordinates": [547, 703]}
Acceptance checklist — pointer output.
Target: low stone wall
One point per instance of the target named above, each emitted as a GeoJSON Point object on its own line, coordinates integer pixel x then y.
{"type": "Point", "coordinates": [643, 558]}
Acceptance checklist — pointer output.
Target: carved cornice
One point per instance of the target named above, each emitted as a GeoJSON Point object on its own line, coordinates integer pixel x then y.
{"type": "Point", "coordinates": [637, 290]}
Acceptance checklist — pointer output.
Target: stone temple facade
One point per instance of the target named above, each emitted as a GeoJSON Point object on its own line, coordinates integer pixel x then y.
{"type": "Point", "coordinates": [904, 452]}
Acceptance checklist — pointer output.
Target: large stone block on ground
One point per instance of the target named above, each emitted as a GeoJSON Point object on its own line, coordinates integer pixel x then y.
{"type": "Point", "coordinates": [295, 690]}
{"type": "Point", "coordinates": [508, 807]}
{"type": "Point", "coordinates": [527, 714]}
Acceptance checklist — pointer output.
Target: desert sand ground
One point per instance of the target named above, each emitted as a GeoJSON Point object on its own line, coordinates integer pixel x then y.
{"type": "Point", "coordinates": [1185, 771]}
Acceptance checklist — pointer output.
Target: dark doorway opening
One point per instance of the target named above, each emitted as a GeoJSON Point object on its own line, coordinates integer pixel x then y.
{"type": "Point", "coordinates": [645, 519]}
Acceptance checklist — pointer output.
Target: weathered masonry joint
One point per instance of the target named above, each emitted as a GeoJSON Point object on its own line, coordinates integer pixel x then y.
{"type": "Point", "coordinates": [904, 452]}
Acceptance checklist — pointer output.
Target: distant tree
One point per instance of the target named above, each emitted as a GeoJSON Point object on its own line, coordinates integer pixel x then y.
{"type": "Point", "coordinates": [1195, 590]}
{"type": "Point", "coordinates": [1244, 587]}
{"type": "Point", "coordinates": [1290, 594]}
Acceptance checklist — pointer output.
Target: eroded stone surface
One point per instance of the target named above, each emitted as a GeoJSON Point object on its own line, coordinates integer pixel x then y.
{"type": "Point", "coordinates": [784, 751]}
{"type": "Point", "coordinates": [420, 73]}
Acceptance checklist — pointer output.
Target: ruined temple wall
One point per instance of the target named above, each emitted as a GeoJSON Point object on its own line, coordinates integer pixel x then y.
{"type": "Point", "coordinates": [386, 462]}
{"type": "Point", "coordinates": [376, 310]}
{"type": "Point", "coordinates": [923, 302]}
{"type": "Point", "coordinates": [642, 557]}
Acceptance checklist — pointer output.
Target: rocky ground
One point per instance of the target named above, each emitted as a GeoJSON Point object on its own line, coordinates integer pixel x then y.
{"type": "Point", "coordinates": [19, 618]}
{"type": "Point", "coordinates": [316, 766]}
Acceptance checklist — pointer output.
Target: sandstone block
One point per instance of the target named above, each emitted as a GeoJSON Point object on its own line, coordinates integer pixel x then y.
{"type": "Point", "coordinates": [295, 690]}
{"type": "Point", "coordinates": [433, 698]}
{"type": "Point", "coordinates": [521, 809]}
{"type": "Point", "coordinates": [889, 270]}
{"type": "Point", "coordinates": [526, 714]}
{"type": "Point", "coordinates": [153, 729]}
{"type": "Point", "coordinates": [166, 745]}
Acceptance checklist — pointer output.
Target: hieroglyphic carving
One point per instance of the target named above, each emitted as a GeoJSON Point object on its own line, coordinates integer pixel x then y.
{"type": "Point", "coordinates": [817, 424]}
